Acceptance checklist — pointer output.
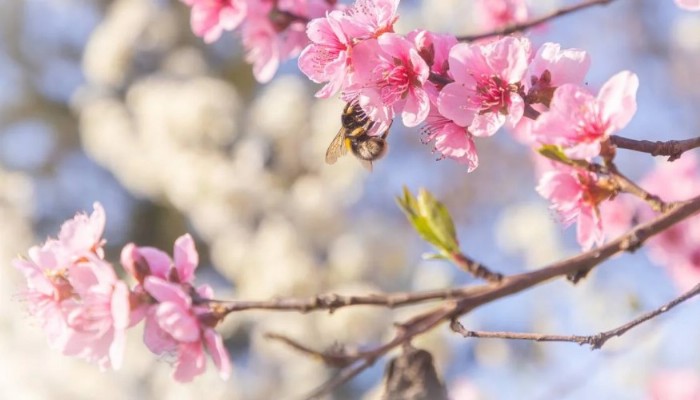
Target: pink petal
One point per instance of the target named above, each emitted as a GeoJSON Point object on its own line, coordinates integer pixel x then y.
{"type": "Point", "coordinates": [155, 338]}
{"type": "Point", "coordinates": [589, 229]}
{"type": "Point", "coordinates": [186, 258]}
{"type": "Point", "coordinates": [205, 291]}
{"type": "Point", "coordinates": [454, 141]}
{"type": "Point", "coordinates": [158, 261]}
{"type": "Point", "coordinates": [510, 57]}
{"type": "Point", "coordinates": [462, 60]}
{"type": "Point", "coordinates": [452, 104]}
{"type": "Point", "coordinates": [232, 16]}
{"type": "Point", "coordinates": [120, 305]}
{"type": "Point", "coordinates": [484, 125]}
{"type": "Point", "coordinates": [416, 108]}
{"type": "Point", "coordinates": [117, 348]}
{"type": "Point", "coordinates": [567, 66]}
{"type": "Point", "coordinates": [516, 109]}
{"type": "Point", "coordinates": [618, 98]}
{"type": "Point", "coordinates": [177, 322]}
{"type": "Point", "coordinates": [395, 45]}
{"type": "Point", "coordinates": [215, 346]}
{"type": "Point", "coordinates": [190, 363]}
{"type": "Point", "coordinates": [167, 292]}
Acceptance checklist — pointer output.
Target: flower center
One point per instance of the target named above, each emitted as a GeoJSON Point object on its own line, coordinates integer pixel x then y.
{"type": "Point", "coordinates": [393, 82]}
{"type": "Point", "coordinates": [590, 127]}
{"type": "Point", "coordinates": [493, 95]}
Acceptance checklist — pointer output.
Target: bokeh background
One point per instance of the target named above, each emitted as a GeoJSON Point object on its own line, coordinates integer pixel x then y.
{"type": "Point", "coordinates": [118, 102]}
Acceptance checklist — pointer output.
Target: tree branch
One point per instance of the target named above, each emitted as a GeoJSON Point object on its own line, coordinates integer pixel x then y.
{"type": "Point", "coordinates": [475, 268]}
{"type": "Point", "coordinates": [331, 302]}
{"type": "Point", "coordinates": [673, 149]}
{"type": "Point", "coordinates": [538, 21]}
{"type": "Point", "coordinates": [476, 296]}
{"type": "Point", "coordinates": [595, 341]}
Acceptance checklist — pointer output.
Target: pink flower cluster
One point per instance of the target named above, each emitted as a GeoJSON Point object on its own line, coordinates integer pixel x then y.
{"type": "Point", "coordinates": [457, 90]}
{"type": "Point", "coordinates": [272, 30]}
{"type": "Point", "coordinates": [85, 309]}
{"type": "Point", "coordinates": [579, 123]}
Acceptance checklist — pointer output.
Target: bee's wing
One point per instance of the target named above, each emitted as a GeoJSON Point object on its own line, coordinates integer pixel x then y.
{"type": "Point", "coordinates": [337, 148]}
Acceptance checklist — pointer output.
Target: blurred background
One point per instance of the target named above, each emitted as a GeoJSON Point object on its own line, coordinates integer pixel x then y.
{"type": "Point", "coordinates": [118, 102]}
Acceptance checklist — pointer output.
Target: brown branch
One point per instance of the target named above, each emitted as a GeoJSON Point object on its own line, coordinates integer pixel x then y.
{"type": "Point", "coordinates": [595, 341]}
{"type": "Point", "coordinates": [476, 296]}
{"type": "Point", "coordinates": [673, 149]}
{"type": "Point", "coordinates": [331, 302]}
{"type": "Point", "coordinates": [475, 268]}
{"type": "Point", "coordinates": [538, 21]}
{"type": "Point", "coordinates": [626, 185]}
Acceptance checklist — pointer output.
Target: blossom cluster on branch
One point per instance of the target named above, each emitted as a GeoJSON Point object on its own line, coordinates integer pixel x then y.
{"type": "Point", "coordinates": [85, 309]}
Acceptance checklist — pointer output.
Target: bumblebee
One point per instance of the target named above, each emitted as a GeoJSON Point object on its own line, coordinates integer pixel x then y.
{"type": "Point", "coordinates": [353, 135]}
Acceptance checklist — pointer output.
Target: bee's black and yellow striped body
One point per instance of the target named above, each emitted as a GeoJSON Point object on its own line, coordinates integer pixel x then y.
{"type": "Point", "coordinates": [353, 136]}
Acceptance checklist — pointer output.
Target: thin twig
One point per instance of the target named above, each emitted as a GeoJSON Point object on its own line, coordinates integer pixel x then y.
{"type": "Point", "coordinates": [595, 341]}
{"type": "Point", "coordinates": [538, 21]}
{"type": "Point", "coordinates": [476, 296]}
{"type": "Point", "coordinates": [628, 186]}
{"type": "Point", "coordinates": [475, 268]}
{"type": "Point", "coordinates": [673, 149]}
{"type": "Point", "coordinates": [331, 302]}
{"type": "Point", "coordinates": [335, 357]}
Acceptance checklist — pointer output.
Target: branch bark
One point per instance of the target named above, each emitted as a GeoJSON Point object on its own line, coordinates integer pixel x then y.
{"type": "Point", "coordinates": [673, 149]}
{"type": "Point", "coordinates": [595, 341]}
{"type": "Point", "coordinates": [538, 21]}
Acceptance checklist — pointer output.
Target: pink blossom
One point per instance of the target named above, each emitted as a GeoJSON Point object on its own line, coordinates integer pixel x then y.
{"type": "Point", "coordinates": [487, 80]}
{"type": "Point", "coordinates": [390, 76]}
{"type": "Point", "coordinates": [368, 19]}
{"type": "Point", "coordinates": [97, 314]}
{"type": "Point", "coordinates": [141, 262]}
{"type": "Point", "coordinates": [677, 247]}
{"type": "Point", "coordinates": [209, 18]}
{"type": "Point", "coordinates": [575, 196]}
{"type": "Point", "coordinates": [435, 49]}
{"type": "Point", "coordinates": [452, 140]}
{"type": "Point", "coordinates": [692, 5]}
{"type": "Point", "coordinates": [80, 303]}
{"type": "Point", "coordinates": [494, 14]}
{"type": "Point", "coordinates": [675, 385]}
{"type": "Point", "coordinates": [579, 122]}
{"type": "Point", "coordinates": [83, 234]}
{"type": "Point", "coordinates": [564, 66]}
{"type": "Point", "coordinates": [269, 42]}
{"type": "Point", "coordinates": [46, 272]}
{"type": "Point", "coordinates": [177, 326]}
{"type": "Point", "coordinates": [326, 58]}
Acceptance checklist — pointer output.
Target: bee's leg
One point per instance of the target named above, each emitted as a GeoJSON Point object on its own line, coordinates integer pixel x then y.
{"type": "Point", "coordinates": [386, 131]}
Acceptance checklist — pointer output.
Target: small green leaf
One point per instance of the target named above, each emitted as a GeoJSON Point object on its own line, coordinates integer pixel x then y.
{"type": "Point", "coordinates": [555, 153]}
{"type": "Point", "coordinates": [430, 219]}
{"type": "Point", "coordinates": [440, 221]}
{"type": "Point", "coordinates": [409, 205]}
